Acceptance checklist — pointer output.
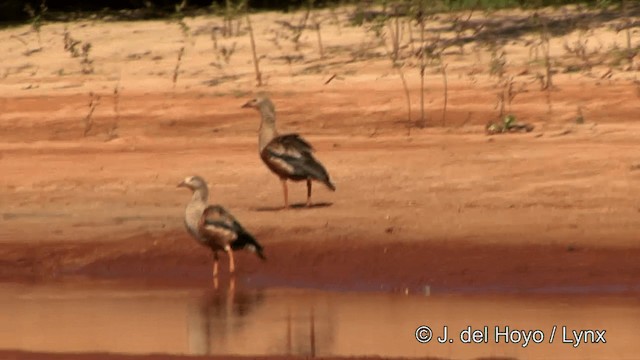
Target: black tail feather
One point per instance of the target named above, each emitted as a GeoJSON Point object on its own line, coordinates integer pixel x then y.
{"type": "Point", "coordinates": [245, 240]}
{"type": "Point", "coordinates": [330, 185]}
{"type": "Point", "coordinates": [317, 171]}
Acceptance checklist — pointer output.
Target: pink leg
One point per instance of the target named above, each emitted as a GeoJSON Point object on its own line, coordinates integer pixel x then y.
{"type": "Point", "coordinates": [232, 265]}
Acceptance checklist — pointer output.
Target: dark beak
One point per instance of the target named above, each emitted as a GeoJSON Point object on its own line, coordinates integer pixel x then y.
{"type": "Point", "coordinates": [182, 184]}
{"type": "Point", "coordinates": [246, 105]}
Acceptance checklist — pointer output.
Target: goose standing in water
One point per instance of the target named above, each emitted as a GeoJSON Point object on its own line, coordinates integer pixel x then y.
{"type": "Point", "coordinates": [215, 227]}
{"type": "Point", "coordinates": [288, 156]}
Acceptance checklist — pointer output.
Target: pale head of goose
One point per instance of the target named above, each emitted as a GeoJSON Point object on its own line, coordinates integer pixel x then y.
{"type": "Point", "coordinates": [194, 183]}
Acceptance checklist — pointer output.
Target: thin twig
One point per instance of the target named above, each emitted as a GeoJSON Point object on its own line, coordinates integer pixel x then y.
{"type": "Point", "coordinates": [331, 78]}
{"type": "Point", "coordinates": [176, 70]}
{"type": "Point", "coordinates": [253, 51]}
{"type": "Point", "coordinates": [443, 66]}
{"type": "Point", "coordinates": [422, 64]}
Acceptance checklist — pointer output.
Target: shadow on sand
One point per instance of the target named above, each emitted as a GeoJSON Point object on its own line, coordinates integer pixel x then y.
{"type": "Point", "coordinates": [297, 206]}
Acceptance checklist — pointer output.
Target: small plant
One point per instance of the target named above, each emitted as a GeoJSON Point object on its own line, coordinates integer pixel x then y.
{"type": "Point", "coordinates": [88, 119]}
{"type": "Point", "coordinates": [70, 44]}
{"type": "Point", "coordinates": [395, 31]}
{"type": "Point", "coordinates": [334, 16]}
{"type": "Point", "coordinates": [87, 64]}
{"type": "Point", "coordinates": [297, 30]}
{"type": "Point", "coordinates": [460, 26]}
{"type": "Point", "coordinates": [544, 41]}
{"type": "Point", "coordinates": [301, 26]}
{"type": "Point", "coordinates": [112, 133]}
{"type": "Point", "coordinates": [232, 12]}
{"type": "Point", "coordinates": [226, 52]}
{"type": "Point", "coordinates": [498, 61]}
{"type": "Point", "coordinates": [36, 18]}
{"type": "Point", "coordinates": [179, 16]}
{"type": "Point", "coordinates": [628, 24]}
{"type": "Point", "coordinates": [508, 124]}
{"type": "Point", "coordinates": [579, 49]}
{"type": "Point", "coordinates": [77, 48]}
{"type": "Point", "coordinates": [214, 37]}
{"type": "Point", "coordinates": [405, 86]}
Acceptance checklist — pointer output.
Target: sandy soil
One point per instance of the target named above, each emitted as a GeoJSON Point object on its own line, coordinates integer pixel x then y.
{"type": "Point", "coordinates": [15, 355]}
{"type": "Point", "coordinates": [446, 206]}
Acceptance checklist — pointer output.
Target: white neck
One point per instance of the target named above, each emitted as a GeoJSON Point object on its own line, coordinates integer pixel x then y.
{"type": "Point", "coordinates": [194, 211]}
{"type": "Point", "coordinates": [268, 129]}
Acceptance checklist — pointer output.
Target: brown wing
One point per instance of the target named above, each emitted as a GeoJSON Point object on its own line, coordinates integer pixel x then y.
{"type": "Point", "coordinates": [290, 156]}
{"type": "Point", "coordinates": [221, 228]}
{"type": "Point", "coordinates": [286, 153]}
{"type": "Point", "coordinates": [218, 226]}
{"type": "Point", "coordinates": [294, 141]}
{"type": "Point", "coordinates": [216, 213]}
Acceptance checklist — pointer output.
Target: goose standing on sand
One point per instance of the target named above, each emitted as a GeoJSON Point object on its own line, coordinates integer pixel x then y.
{"type": "Point", "coordinates": [215, 227]}
{"type": "Point", "coordinates": [288, 156]}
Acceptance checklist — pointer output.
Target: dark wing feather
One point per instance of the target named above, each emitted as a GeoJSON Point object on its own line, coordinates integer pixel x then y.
{"type": "Point", "coordinates": [216, 215]}
{"type": "Point", "coordinates": [295, 141]}
{"type": "Point", "coordinates": [218, 234]}
{"type": "Point", "coordinates": [290, 155]}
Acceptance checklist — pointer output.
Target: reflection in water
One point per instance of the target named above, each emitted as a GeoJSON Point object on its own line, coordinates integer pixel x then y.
{"type": "Point", "coordinates": [217, 319]}
{"type": "Point", "coordinates": [301, 322]}
{"type": "Point", "coordinates": [216, 314]}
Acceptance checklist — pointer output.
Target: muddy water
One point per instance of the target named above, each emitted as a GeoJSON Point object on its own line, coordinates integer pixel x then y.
{"type": "Point", "coordinates": [107, 318]}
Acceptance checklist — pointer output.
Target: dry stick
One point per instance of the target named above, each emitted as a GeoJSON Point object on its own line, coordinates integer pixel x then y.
{"type": "Point", "coordinates": [396, 42]}
{"type": "Point", "coordinates": [239, 25]}
{"type": "Point", "coordinates": [407, 94]}
{"type": "Point", "coordinates": [177, 68]}
{"type": "Point", "coordinates": [549, 83]}
{"type": "Point", "coordinates": [395, 38]}
{"type": "Point", "coordinates": [253, 50]}
{"type": "Point", "coordinates": [446, 90]}
{"type": "Point", "coordinates": [214, 38]}
{"type": "Point", "coordinates": [547, 59]}
{"type": "Point", "coordinates": [336, 20]}
{"type": "Point", "coordinates": [331, 78]}
{"type": "Point", "coordinates": [422, 66]}
{"type": "Point", "coordinates": [319, 40]}
{"type": "Point", "coordinates": [116, 108]}
{"type": "Point", "coordinates": [413, 49]}
{"type": "Point", "coordinates": [625, 11]}
{"type": "Point", "coordinates": [228, 26]}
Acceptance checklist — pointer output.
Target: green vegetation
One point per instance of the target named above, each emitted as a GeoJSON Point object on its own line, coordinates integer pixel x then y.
{"type": "Point", "coordinates": [13, 11]}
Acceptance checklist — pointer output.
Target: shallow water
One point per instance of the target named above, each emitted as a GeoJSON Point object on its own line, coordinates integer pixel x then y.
{"type": "Point", "coordinates": [109, 318]}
